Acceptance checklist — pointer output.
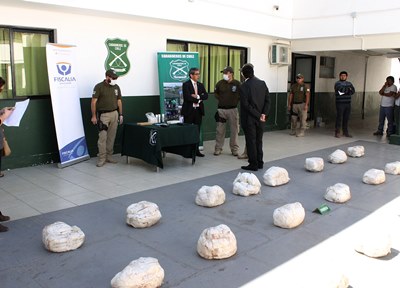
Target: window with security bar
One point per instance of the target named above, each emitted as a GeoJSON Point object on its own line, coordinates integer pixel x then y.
{"type": "Point", "coordinates": [327, 67]}
{"type": "Point", "coordinates": [23, 61]}
{"type": "Point", "coordinates": [213, 58]}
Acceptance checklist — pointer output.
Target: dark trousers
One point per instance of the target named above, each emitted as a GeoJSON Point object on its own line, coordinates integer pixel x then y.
{"type": "Point", "coordinates": [342, 117]}
{"type": "Point", "coordinates": [253, 132]}
{"type": "Point", "coordinates": [397, 119]}
{"type": "Point", "coordinates": [386, 112]}
{"type": "Point", "coordinates": [194, 117]}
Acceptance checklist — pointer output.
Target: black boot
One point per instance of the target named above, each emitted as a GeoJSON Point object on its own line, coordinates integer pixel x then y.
{"type": "Point", "coordinates": [199, 154]}
{"type": "Point", "coordinates": [3, 228]}
{"type": "Point", "coordinates": [4, 218]}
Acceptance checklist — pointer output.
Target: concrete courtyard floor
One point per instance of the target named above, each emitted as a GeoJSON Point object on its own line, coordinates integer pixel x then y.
{"type": "Point", "coordinates": [315, 254]}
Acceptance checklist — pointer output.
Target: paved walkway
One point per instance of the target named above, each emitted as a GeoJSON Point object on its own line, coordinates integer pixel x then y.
{"type": "Point", "coordinates": [309, 255]}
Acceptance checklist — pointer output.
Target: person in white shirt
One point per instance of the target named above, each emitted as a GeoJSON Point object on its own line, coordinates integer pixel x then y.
{"type": "Point", "coordinates": [388, 93]}
{"type": "Point", "coordinates": [397, 112]}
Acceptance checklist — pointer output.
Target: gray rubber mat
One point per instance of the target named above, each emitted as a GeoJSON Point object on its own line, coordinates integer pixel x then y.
{"type": "Point", "coordinates": [111, 244]}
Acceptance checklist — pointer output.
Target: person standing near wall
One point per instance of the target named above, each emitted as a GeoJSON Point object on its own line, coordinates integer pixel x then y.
{"type": "Point", "coordinates": [254, 109]}
{"type": "Point", "coordinates": [343, 91]}
{"type": "Point", "coordinates": [227, 94]}
{"type": "Point", "coordinates": [388, 93]}
{"type": "Point", "coordinates": [194, 94]}
{"type": "Point", "coordinates": [4, 114]}
{"type": "Point", "coordinates": [299, 99]}
{"type": "Point", "coordinates": [397, 112]}
{"type": "Point", "coordinates": [106, 109]}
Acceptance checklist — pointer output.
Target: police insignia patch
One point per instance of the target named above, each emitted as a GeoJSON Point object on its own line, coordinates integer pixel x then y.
{"type": "Point", "coordinates": [153, 137]}
{"type": "Point", "coordinates": [117, 58]}
{"type": "Point", "coordinates": [179, 70]}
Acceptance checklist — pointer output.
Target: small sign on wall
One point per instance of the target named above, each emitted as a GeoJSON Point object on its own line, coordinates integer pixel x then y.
{"type": "Point", "coordinates": [117, 58]}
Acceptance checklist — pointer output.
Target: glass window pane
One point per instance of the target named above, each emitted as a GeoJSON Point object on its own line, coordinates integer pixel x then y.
{"type": "Point", "coordinates": [218, 60]}
{"type": "Point", "coordinates": [176, 47]}
{"type": "Point", "coordinates": [31, 78]}
{"type": "Point", "coordinates": [304, 66]}
{"type": "Point", "coordinates": [5, 64]}
{"type": "Point", "coordinates": [203, 60]}
{"type": "Point", "coordinates": [327, 67]}
{"type": "Point", "coordinates": [237, 58]}
{"type": "Point", "coordinates": [213, 58]}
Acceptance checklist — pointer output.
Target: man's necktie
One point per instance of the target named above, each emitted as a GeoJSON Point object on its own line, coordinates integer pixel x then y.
{"type": "Point", "coordinates": [195, 88]}
{"type": "Point", "coordinates": [195, 105]}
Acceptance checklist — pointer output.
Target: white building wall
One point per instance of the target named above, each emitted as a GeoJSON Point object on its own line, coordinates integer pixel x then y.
{"type": "Point", "coordinates": [363, 101]}
{"type": "Point", "coordinates": [370, 42]}
{"type": "Point", "coordinates": [259, 16]}
{"type": "Point", "coordinates": [378, 68]}
{"type": "Point", "coordinates": [339, 18]}
{"type": "Point", "coordinates": [287, 19]}
{"type": "Point", "coordinates": [146, 37]}
{"type": "Point", "coordinates": [88, 29]}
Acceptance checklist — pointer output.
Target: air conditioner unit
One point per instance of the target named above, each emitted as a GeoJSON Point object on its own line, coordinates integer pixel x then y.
{"type": "Point", "coordinates": [279, 54]}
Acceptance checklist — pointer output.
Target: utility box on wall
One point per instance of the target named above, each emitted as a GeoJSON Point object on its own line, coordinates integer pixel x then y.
{"type": "Point", "coordinates": [279, 54]}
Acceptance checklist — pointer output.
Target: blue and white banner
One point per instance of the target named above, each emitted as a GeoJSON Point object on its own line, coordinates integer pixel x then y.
{"type": "Point", "coordinates": [66, 103]}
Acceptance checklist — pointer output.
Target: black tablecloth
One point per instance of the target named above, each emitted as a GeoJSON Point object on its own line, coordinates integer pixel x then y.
{"type": "Point", "coordinates": [148, 142]}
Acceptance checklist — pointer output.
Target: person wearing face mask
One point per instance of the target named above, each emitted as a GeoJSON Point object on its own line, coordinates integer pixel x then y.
{"type": "Point", "coordinates": [227, 94]}
{"type": "Point", "coordinates": [298, 101]}
{"type": "Point", "coordinates": [106, 109]}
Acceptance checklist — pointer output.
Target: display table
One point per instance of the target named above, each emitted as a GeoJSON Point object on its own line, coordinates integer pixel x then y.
{"type": "Point", "coordinates": [148, 142]}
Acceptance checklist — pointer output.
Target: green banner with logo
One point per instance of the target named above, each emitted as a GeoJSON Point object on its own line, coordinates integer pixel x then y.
{"type": "Point", "coordinates": [117, 57]}
{"type": "Point", "coordinates": [173, 70]}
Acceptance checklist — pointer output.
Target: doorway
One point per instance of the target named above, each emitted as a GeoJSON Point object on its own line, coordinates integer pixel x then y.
{"type": "Point", "coordinates": [305, 64]}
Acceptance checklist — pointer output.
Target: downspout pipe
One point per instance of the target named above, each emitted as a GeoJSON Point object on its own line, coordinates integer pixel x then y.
{"type": "Point", "coordinates": [354, 16]}
{"type": "Point", "coordinates": [365, 87]}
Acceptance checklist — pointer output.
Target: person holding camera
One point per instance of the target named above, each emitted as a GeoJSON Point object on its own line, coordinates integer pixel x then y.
{"type": "Point", "coordinates": [106, 109]}
{"type": "Point", "coordinates": [343, 91]}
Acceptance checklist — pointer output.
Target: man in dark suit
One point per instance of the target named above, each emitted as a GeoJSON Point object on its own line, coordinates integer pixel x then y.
{"type": "Point", "coordinates": [254, 109]}
{"type": "Point", "coordinates": [194, 94]}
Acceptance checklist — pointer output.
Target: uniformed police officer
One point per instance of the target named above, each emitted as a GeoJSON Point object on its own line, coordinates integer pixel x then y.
{"type": "Point", "coordinates": [299, 99]}
{"type": "Point", "coordinates": [227, 94]}
{"type": "Point", "coordinates": [106, 109]}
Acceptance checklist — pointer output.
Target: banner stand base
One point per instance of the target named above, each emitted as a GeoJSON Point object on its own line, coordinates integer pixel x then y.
{"type": "Point", "coordinates": [63, 165]}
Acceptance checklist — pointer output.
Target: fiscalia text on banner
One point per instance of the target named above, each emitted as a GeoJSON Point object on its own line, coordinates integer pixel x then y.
{"type": "Point", "coordinates": [66, 104]}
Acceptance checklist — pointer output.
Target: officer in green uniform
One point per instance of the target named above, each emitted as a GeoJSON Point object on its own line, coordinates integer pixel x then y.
{"type": "Point", "coordinates": [106, 109]}
{"type": "Point", "coordinates": [227, 94]}
{"type": "Point", "coordinates": [299, 99]}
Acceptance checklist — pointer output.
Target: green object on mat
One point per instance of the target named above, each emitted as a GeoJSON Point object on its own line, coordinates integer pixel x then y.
{"type": "Point", "coordinates": [323, 209]}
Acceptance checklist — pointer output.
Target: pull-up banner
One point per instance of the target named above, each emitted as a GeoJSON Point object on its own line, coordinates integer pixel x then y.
{"type": "Point", "coordinates": [66, 104]}
{"type": "Point", "coordinates": [173, 70]}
